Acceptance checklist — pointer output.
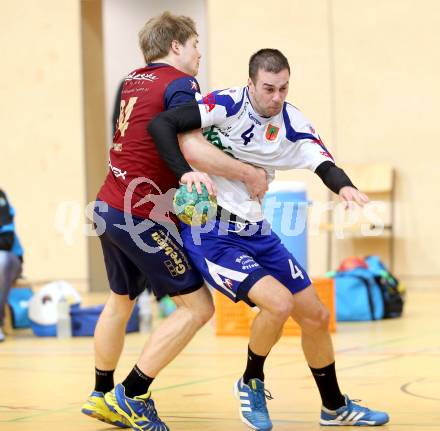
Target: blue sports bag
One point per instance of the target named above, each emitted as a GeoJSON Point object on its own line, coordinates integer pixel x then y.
{"type": "Point", "coordinates": [18, 301]}
{"type": "Point", "coordinates": [358, 296]}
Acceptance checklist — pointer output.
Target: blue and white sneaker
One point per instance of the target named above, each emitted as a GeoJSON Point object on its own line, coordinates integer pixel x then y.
{"type": "Point", "coordinates": [352, 414]}
{"type": "Point", "coordinates": [139, 411]}
{"type": "Point", "coordinates": [253, 410]}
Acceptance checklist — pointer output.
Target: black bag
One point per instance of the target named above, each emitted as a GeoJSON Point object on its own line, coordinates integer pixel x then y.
{"type": "Point", "coordinates": [393, 291]}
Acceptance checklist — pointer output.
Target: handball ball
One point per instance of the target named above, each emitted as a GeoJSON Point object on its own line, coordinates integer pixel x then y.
{"type": "Point", "coordinates": [193, 208]}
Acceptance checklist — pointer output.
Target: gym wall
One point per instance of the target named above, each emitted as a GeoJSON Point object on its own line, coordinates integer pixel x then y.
{"type": "Point", "coordinates": [366, 74]}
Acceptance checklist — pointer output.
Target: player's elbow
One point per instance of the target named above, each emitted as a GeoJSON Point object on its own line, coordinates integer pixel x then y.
{"type": "Point", "coordinates": [190, 156]}
{"type": "Point", "coordinates": [192, 147]}
{"type": "Point", "coordinates": [154, 128]}
{"type": "Point", "coordinates": [188, 151]}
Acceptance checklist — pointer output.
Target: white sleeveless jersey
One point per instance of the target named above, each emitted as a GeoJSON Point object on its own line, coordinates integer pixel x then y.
{"type": "Point", "coordinates": [285, 141]}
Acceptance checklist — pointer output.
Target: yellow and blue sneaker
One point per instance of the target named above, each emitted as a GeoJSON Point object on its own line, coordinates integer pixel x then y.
{"type": "Point", "coordinates": [96, 407]}
{"type": "Point", "coordinates": [352, 414]}
{"type": "Point", "coordinates": [253, 409]}
{"type": "Point", "coordinates": [139, 411]}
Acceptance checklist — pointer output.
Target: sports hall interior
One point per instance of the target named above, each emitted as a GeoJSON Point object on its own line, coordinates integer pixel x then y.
{"type": "Point", "coordinates": [365, 73]}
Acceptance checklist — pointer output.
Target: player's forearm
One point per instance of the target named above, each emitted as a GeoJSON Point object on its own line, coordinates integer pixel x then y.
{"type": "Point", "coordinates": [333, 176]}
{"type": "Point", "coordinates": [205, 157]}
{"type": "Point", "coordinates": [197, 151]}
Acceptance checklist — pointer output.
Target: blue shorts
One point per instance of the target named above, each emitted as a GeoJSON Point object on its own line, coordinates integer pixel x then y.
{"type": "Point", "coordinates": [135, 259]}
{"type": "Point", "coordinates": [232, 260]}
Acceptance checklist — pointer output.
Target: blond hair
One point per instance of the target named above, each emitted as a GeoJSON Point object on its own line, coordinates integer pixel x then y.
{"type": "Point", "coordinates": [158, 33]}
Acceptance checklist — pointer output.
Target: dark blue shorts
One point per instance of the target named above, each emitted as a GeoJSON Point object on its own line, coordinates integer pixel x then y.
{"type": "Point", "coordinates": [233, 259]}
{"type": "Point", "coordinates": [140, 253]}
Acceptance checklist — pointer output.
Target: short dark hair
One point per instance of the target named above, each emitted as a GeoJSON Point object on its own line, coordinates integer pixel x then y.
{"type": "Point", "coordinates": [270, 60]}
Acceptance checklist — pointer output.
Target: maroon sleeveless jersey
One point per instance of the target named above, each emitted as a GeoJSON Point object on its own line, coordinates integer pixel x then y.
{"type": "Point", "coordinates": [136, 171]}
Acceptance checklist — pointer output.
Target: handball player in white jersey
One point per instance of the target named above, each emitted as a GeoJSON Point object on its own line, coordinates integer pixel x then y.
{"type": "Point", "coordinates": [237, 253]}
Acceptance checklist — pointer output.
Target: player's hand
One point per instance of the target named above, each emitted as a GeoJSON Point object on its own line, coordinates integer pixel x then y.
{"type": "Point", "coordinates": [256, 182]}
{"type": "Point", "coordinates": [350, 194]}
{"type": "Point", "coordinates": [198, 178]}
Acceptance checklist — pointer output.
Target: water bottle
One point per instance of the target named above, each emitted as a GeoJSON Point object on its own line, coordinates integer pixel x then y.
{"type": "Point", "coordinates": [64, 324]}
{"type": "Point", "coordinates": [145, 314]}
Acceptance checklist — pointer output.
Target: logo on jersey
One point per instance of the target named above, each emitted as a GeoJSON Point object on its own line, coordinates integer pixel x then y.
{"type": "Point", "coordinates": [117, 171]}
{"type": "Point", "coordinates": [209, 102]}
{"type": "Point", "coordinates": [142, 77]}
{"type": "Point", "coordinates": [272, 132]}
{"type": "Point", "coordinates": [324, 150]}
{"type": "Point", "coordinates": [194, 85]}
{"type": "Point", "coordinates": [228, 283]}
{"type": "Point", "coordinates": [255, 120]}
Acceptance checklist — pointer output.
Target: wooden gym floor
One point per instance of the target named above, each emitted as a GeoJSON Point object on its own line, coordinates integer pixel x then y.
{"type": "Point", "coordinates": [391, 365]}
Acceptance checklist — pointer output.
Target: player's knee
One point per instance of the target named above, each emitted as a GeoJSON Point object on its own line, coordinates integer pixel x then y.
{"type": "Point", "coordinates": [199, 318]}
{"type": "Point", "coordinates": [203, 315]}
{"type": "Point", "coordinates": [118, 307]}
{"type": "Point", "coordinates": [285, 310]}
{"type": "Point", "coordinates": [323, 319]}
{"type": "Point", "coordinates": [282, 309]}
{"type": "Point", "coordinates": [200, 312]}
{"type": "Point", "coordinates": [318, 322]}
